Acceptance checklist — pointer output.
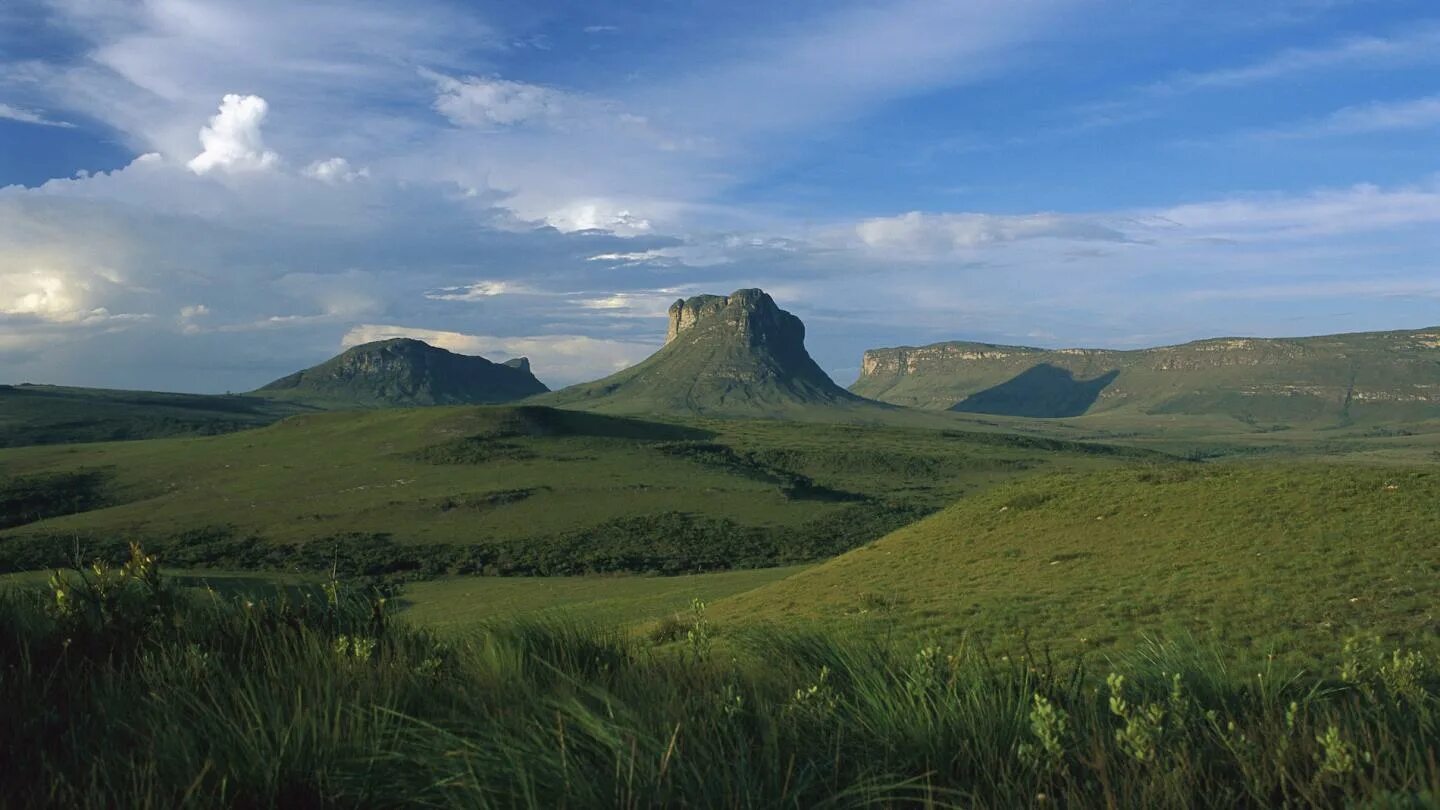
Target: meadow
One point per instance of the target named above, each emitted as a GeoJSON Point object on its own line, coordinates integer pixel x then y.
{"type": "Point", "coordinates": [511, 490]}
{"type": "Point", "coordinates": [122, 691]}
{"type": "Point", "coordinates": [525, 607]}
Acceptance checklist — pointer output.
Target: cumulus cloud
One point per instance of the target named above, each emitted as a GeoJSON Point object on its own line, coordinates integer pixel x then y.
{"type": "Point", "coordinates": [232, 141]}
{"type": "Point", "coordinates": [557, 359]}
{"type": "Point", "coordinates": [335, 170]}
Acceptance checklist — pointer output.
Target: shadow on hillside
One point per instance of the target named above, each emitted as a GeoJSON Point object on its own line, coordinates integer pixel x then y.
{"type": "Point", "coordinates": [1041, 391]}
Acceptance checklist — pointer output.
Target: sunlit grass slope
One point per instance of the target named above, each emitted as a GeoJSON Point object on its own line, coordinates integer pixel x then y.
{"type": "Point", "coordinates": [1267, 558]}
{"type": "Point", "coordinates": [465, 603]}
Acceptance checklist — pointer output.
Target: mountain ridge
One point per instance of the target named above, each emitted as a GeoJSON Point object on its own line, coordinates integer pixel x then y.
{"type": "Point", "coordinates": [1306, 378]}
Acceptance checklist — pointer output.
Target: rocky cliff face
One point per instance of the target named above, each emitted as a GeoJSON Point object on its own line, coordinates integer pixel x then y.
{"type": "Point", "coordinates": [404, 372]}
{"type": "Point", "coordinates": [1283, 379]}
{"type": "Point", "coordinates": [737, 353]}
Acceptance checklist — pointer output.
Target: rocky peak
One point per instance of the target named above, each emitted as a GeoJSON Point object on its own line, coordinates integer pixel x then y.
{"type": "Point", "coordinates": [750, 314]}
{"type": "Point", "coordinates": [521, 363]}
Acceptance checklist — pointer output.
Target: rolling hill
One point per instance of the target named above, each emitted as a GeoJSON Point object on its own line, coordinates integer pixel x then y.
{"type": "Point", "coordinates": [1361, 377]}
{"type": "Point", "coordinates": [736, 355]}
{"type": "Point", "coordinates": [516, 489]}
{"type": "Point", "coordinates": [52, 414]}
{"type": "Point", "coordinates": [1282, 558]}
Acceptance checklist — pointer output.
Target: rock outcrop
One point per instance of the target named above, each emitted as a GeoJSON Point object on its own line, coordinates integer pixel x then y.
{"type": "Point", "coordinates": [404, 372]}
{"type": "Point", "coordinates": [735, 354]}
{"type": "Point", "coordinates": [1278, 380]}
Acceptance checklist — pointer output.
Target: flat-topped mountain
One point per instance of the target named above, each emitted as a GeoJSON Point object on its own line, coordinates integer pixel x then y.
{"type": "Point", "coordinates": [403, 372]}
{"type": "Point", "coordinates": [1381, 375]}
{"type": "Point", "coordinates": [735, 354]}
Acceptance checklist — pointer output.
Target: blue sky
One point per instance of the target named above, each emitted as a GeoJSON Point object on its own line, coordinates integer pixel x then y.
{"type": "Point", "coordinates": [206, 194]}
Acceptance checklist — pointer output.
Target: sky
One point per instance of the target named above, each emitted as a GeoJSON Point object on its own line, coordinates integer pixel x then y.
{"type": "Point", "coordinates": [204, 195]}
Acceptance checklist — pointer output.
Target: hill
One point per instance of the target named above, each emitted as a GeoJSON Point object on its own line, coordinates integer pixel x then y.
{"type": "Point", "coordinates": [503, 489]}
{"type": "Point", "coordinates": [733, 355]}
{"type": "Point", "coordinates": [52, 414]}
{"type": "Point", "coordinates": [1283, 558]}
{"type": "Point", "coordinates": [403, 372]}
{"type": "Point", "coordinates": [1360, 377]}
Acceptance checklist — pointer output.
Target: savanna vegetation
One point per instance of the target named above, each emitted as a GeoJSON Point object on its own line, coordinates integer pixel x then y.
{"type": "Point", "coordinates": [118, 690]}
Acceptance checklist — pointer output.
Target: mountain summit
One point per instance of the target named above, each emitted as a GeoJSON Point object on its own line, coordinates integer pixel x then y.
{"type": "Point", "coordinates": [736, 354]}
{"type": "Point", "coordinates": [403, 372]}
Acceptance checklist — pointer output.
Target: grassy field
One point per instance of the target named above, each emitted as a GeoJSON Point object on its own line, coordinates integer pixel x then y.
{"type": "Point", "coordinates": [528, 490]}
{"type": "Point", "coordinates": [120, 691]}
{"type": "Point", "coordinates": [1259, 559]}
{"type": "Point", "coordinates": [467, 603]}
{"type": "Point", "coordinates": [51, 414]}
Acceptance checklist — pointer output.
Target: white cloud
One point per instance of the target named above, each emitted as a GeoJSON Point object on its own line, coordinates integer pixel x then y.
{"type": "Point", "coordinates": [1362, 119]}
{"type": "Point", "coordinates": [335, 170]}
{"type": "Point", "coordinates": [477, 101]}
{"type": "Point", "coordinates": [480, 290]}
{"type": "Point", "coordinates": [598, 215]}
{"type": "Point", "coordinates": [653, 305]}
{"type": "Point", "coordinates": [232, 142]}
{"type": "Point", "coordinates": [1419, 45]}
{"type": "Point", "coordinates": [558, 359]}
{"type": "Point", "coordinates": [25, 116]}
{"type": "Point", "coordinates": [1363, 208]}
{"type": "Point", "coordinates": [927, 234]}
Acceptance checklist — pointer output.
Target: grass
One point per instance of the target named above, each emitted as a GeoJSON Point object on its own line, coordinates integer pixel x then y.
{"type": "Point", "coordinates": [464, 603]}
{"type": "Point", "coordinates": [528, 490]}
{"type": "Point", "coordinates": [50, 414]}
{"type": "Point", "coordinates": [124, 693]}
{"type": "Point", "coordinates": [1259, 559]}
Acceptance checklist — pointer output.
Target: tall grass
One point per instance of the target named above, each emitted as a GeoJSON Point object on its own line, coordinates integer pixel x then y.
{"type": "Point", "coordinates": [116, 690]}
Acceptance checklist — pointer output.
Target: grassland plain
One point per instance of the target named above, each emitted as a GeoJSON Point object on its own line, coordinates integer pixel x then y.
{"type": "Point", "coordinates": [117, 690]}
{"type": "Point", "coordinates": [50, 414]}
{"type": "Point", "coordinates": [1258, 559]}
{"type": "Point", "coordinates": [512, 490]}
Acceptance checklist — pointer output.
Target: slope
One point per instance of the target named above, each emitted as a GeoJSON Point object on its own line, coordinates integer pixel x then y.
{"type": "Point", "coordinates": [733, 355]}
{"type": "Point", "coordinates": [504, 489]}
{"type": "Point", "coordinates": [1276, 558]}
{"type": "Point", "coordinates": [50, 414]}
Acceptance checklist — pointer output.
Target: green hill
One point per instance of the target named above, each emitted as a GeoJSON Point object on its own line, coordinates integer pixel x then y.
{"type": "Point", "coordinates": [504, 489]}
{"type": "Point", "coordinates": [1362, 377]}
{"type": "Point", "coordinates": [51, 414]}
{"type": "Point", "coordinates": [1273, 558]}
{"type": "Point", "coordinates": [737, 355]}
{"type": "Point", "coordinates": [403, 372]}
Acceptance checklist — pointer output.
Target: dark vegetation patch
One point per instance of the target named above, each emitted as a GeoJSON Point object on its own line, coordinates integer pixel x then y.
{"type": "Point", "coordinates": [472, 450]}
{"type": "Point", "coordinates": [28, 498]}
{"type": "Point", "coordinates": [666, 543]}
{"type": "Point", "coordinates": [537, 421]}
{"type": "Point", "coordinates": [504, 439]}
{"type": "Point", "coordinates": [755, 465]}
{"type": "Point", "coordinates": [1019, 441]}
{"type": "Point", "coordinates": [485, 500]}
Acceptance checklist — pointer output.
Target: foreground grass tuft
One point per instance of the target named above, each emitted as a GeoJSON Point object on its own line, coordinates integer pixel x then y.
{"type": "Point", "coordinates": [116, 690]}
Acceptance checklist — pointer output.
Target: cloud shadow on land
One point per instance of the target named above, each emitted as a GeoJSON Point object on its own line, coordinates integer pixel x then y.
{"type": "Point", "coordinates": [1043, 390]}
